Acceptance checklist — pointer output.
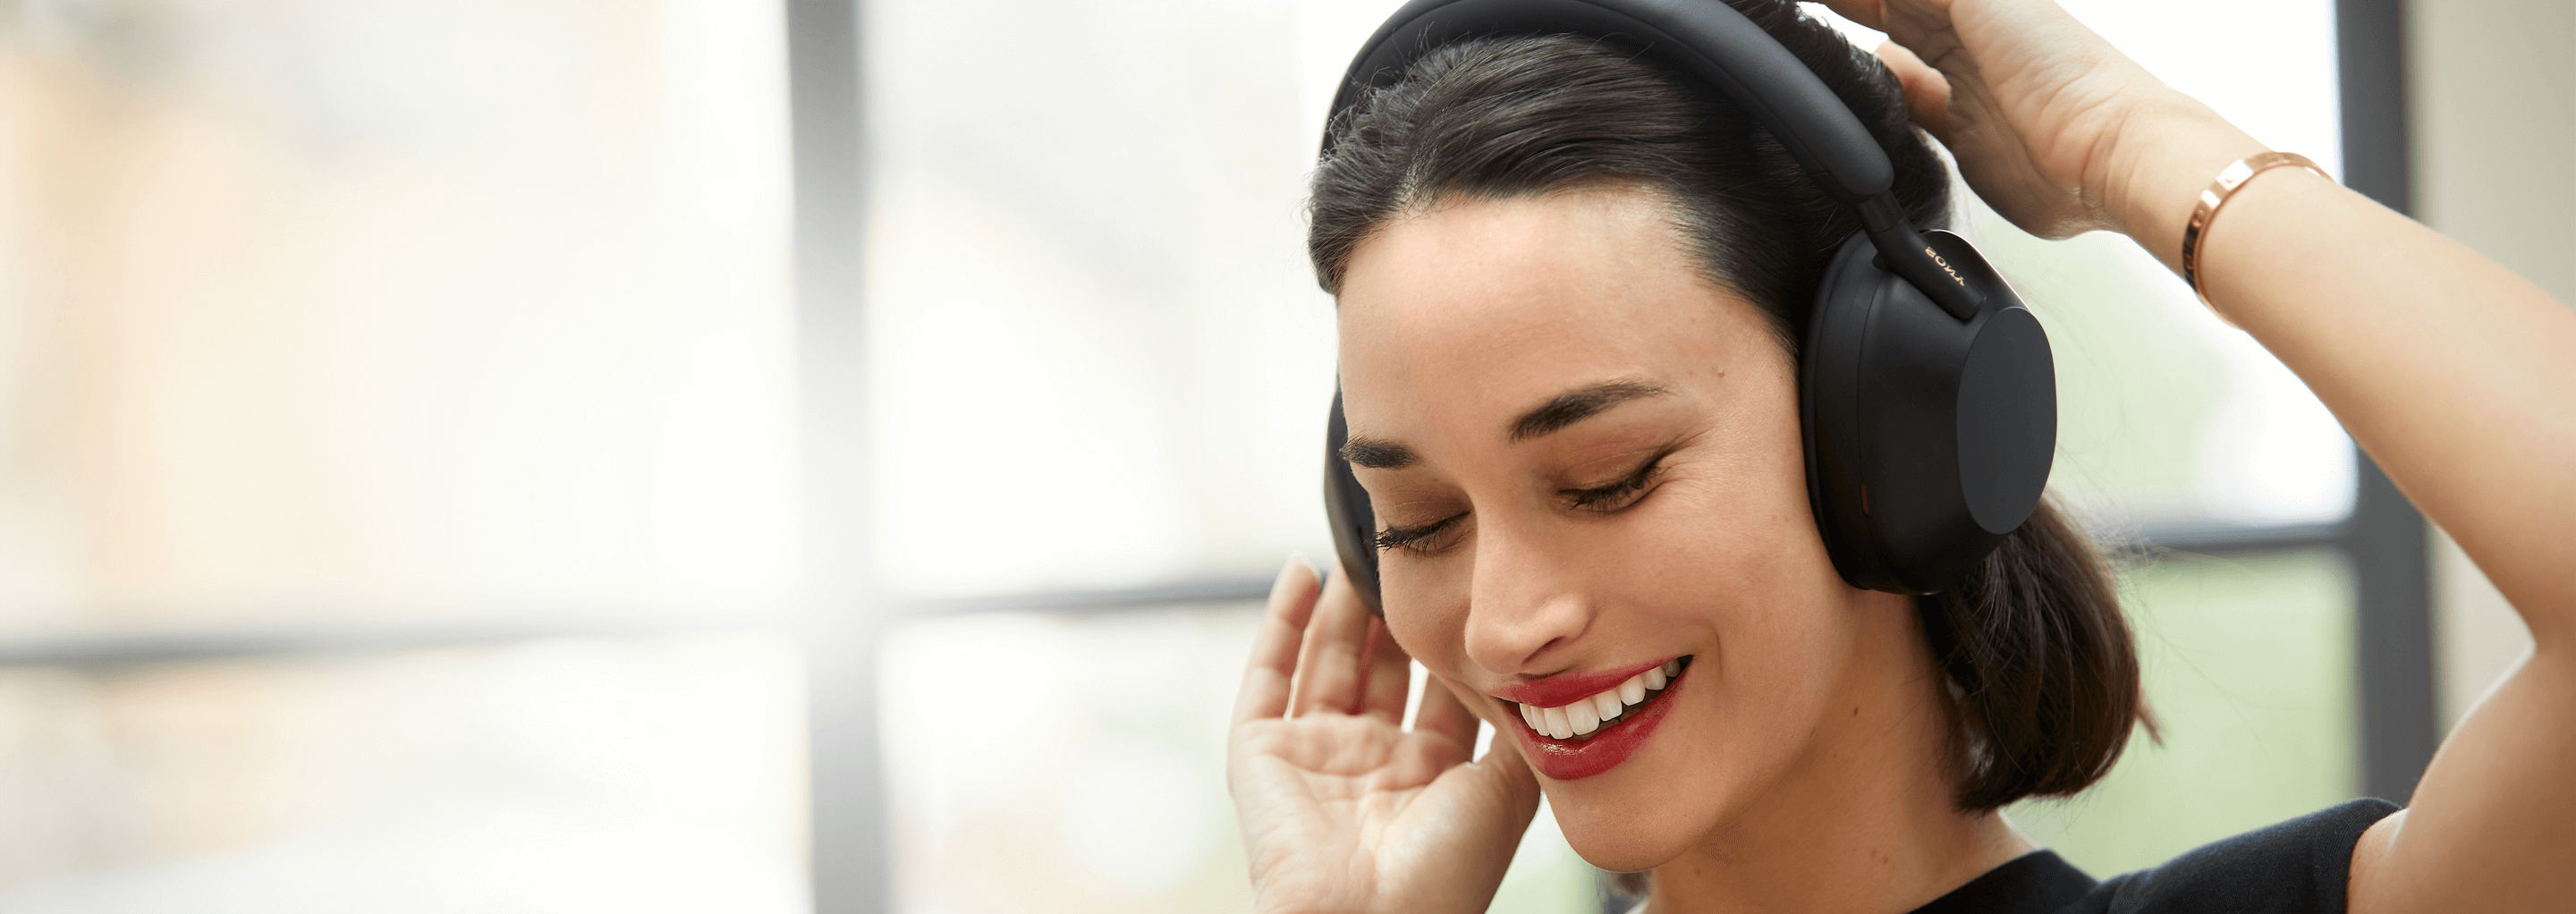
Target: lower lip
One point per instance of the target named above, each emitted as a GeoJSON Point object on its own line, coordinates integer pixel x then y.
{"type": "Point", "coordinates": [1572, 759]}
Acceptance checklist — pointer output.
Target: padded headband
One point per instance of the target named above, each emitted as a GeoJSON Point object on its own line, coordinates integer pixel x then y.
{"type": "Point", "coordinates": [1712, 41]}
{"type": "Point", "coordinates": [1748, 65]}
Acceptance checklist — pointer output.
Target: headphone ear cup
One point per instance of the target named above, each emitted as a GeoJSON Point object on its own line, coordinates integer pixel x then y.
{"type": "Point", "coordinates": [1346, 509]}
{"type": "Point", "coordinates": [1928, 439]}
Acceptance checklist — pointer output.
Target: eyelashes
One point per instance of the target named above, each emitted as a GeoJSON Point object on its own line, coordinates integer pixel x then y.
{"type": "Point", "coordinates": [1423, 539]}
{"type": "Point", "coordinates": [1412, 539]}
{"type": "Point", "coordinates": [1619, 494]}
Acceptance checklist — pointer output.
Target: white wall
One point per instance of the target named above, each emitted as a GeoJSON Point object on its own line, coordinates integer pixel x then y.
{"type": "Point", "coordinates": [2494, 121]}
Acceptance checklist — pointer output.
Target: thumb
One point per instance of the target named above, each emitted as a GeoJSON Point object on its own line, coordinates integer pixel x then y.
{"type": "Point", "coordinates": [1927, 92]}
{"type": "Point", "coordinates": [1508, 776]}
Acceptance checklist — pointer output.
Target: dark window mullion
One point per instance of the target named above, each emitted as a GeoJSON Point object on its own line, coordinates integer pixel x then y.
{"type": "Point", "coordinates": [2385, 537]}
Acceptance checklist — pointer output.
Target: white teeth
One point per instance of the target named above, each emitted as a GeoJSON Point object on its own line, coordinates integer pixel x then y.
{"type": "Point", "coordinates": [1557, 726]}
{"type": "Point", "coordinates": [1581, 715]}
{"type": "Point", "coordinates": [1672, 668]}
{"type": "Point", "coordinates": [1587, 714]}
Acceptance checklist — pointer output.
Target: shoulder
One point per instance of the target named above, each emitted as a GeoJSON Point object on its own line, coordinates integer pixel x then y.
{"type": "Point", "coordinates": [2296, 866]}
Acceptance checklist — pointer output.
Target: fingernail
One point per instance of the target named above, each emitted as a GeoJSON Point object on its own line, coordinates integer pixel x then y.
{"type": "Point", "coordinates": [1296, 560]}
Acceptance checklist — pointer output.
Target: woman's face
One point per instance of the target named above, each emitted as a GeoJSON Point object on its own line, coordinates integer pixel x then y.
{"type": "Point", "coordinates": [1589, 459]}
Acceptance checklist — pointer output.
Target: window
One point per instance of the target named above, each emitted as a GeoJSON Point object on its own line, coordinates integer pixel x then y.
{"type": "Point", "coordinates": [406, 452]}
{"type": "Point", "coordinates": [400, 498]}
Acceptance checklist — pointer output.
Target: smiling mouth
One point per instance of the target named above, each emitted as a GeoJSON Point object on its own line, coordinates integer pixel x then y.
{"type": "Point", "coordinates": [1593, 715]}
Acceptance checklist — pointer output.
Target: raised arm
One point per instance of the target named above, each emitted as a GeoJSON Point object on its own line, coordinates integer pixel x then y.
{"type": "Point", "coordinates": [2456, 375]}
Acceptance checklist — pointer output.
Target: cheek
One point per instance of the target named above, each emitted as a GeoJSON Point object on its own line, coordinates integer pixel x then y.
{"type": "Point", "coordinates": [1426, 603]}
{"type": "Point", "coordinates": [1748, 571]}
{"type": "Point", "coordinates": [1772, 642]}
{"type": "Point", "coordinates": [1731, 569]}
{"type": "Point", "coordinates": [1733, 530]}
{"type": "Point", "coordinates": [1428, 630]}
{"type": "Point", "coordinates": [1749, 577]}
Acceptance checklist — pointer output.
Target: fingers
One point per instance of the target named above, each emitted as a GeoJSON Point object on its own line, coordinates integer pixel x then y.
{"type": "Point", "coordinates": [1927, 92]}
{"type": "Point", "coordinates": [1508, 772]}
{"type": "Point", "coordinates": [1868, 13]}
{"type": "Point", "coordinates": [1444, 714]}
{"type": "Point", "coordinates": [1324, 651]}
{"type": "Point", "coordinates": [1266, 676]}
{"type": "Point", "coordinates": [1390, 675]}
{"type": "Point", "coordinates": [1328, 666]}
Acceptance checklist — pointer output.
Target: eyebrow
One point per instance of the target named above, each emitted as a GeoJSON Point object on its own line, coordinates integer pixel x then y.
{"type": "Point", "coordinates": [1575, 406]}
{"type": "Point", "coordinates": [1547, 418]}
{"type": "Point", "coordinates": [1377, 453]}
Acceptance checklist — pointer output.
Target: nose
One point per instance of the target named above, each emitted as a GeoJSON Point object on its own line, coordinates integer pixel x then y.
{"type": "Point", "coordinates": [1525, 605]}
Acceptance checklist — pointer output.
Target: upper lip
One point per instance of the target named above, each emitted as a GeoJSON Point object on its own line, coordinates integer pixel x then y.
{"type": "Point", "coordinates": [1564, 688]}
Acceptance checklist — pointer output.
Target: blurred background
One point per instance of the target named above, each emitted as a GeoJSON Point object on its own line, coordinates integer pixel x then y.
{"type": "Point", "coordinates": [684, 455]}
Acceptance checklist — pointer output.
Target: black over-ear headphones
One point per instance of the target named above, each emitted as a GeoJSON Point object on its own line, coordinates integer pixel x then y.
{"type": "Point", "coordinates": [1925, 388]}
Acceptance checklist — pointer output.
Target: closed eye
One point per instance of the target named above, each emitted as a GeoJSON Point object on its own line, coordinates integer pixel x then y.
{"type": "Point", "coordinates": [1416, 539]}
{"type": "Point", "coordinates": [1619, 494]}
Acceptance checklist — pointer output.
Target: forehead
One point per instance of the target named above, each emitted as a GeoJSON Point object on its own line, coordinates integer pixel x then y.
{"type": "Point", "coordinates": [1475, 308]}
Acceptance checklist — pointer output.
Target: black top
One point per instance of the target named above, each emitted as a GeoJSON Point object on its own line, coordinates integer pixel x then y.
{"type": "Point", "coordinates": [2296, 867]}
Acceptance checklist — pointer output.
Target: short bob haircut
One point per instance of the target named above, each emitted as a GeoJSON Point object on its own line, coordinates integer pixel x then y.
{"type": "Point", "coordinates": [2041, 670]}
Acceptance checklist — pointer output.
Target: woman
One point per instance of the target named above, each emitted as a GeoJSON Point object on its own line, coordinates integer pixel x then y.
{"type": "Point", "coordinates": [1548, 222]}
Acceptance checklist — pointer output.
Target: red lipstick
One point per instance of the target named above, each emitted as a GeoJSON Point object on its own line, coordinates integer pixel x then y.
{"type": "Point", "coordinates": [1583, 757]}
{"type": "Point", "coordinates": [1563, 688]}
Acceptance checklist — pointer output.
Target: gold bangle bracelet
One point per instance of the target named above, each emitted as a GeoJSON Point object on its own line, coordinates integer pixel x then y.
{"type": "Point", "coordinates": [2230, 179]}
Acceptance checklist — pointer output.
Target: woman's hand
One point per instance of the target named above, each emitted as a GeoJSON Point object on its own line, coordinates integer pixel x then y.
{"type": "Point", "coordinates": [1343, 810]}
{"type": "Point", "coordinates": [2448, 369]}
{"type": "Point", "coordinates": [2052, 126]}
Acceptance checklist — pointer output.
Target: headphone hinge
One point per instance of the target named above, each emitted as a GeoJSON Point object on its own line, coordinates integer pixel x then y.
{"type": "Point", "coordinates": [1879, 213]}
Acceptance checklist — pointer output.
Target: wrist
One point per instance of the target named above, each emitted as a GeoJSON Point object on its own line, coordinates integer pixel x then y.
{"type": "Point", "coordinates": [2163, 162]}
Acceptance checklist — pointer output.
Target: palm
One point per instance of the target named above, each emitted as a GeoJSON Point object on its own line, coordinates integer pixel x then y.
{"type": "Point", "coordinates": [1342, 809]}
{"type": "Point", "coordinates": [1352, 813]}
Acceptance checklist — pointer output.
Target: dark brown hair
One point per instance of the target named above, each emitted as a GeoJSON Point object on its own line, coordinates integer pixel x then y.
{"type": "Point", "coordinates": [2037, 655]}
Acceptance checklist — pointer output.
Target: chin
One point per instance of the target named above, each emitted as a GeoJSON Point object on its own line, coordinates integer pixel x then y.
{"type": "Point", "coordinates": [1706, 767]}
{"type": "Point", "coordinates": [1629, 832]}
{"type": "Point", "coordinates": [1648, 811]}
